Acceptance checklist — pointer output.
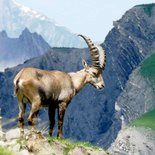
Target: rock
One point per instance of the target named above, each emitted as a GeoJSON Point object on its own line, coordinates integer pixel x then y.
{"type": "Point", "coordinates": [78, 151]}
{"type": "Point", "coordinates": [12, 134]}
{"type": "Point", "coordinates": [2, 144]}
{"type": "Point", "coordinates": [34, 143]}
{"type": "Point", "coordinates": [58, 147]}
{"type": "Point", "coordinates": [25, 152]}
{"type": "Point", "coordinates": [37, 143]}
{"type": "Point", "coordinates": [16, 148]}
{"type": "Point", "coordinates": [11, 142]}
{"type": "Point", "coordinates": [2, 135]}
{"type": "Point", "coordinates": [134, 141]}
{"type": "Point", "coordinates": [86, 151]}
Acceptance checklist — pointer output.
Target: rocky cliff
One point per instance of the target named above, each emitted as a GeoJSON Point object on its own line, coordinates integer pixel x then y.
{"type": "Point", "coordinates": [134, 107]}
{"type": "Point", "coordinates": [134, 141]}
{"type": "Point", "coordinates": [138, 137]}
{"type": "Point", "coordinates": [137, 97]}
{"type": "Point", "coordinates": [34, 143]}
{"type": "Point", "coordinates": [127, 44]}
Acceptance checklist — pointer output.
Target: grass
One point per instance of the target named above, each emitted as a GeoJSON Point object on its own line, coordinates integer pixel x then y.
{"type": "Point", "coordinates": [5, 151]}
{"type": "Point", "coordinates": [22, 143]}
{"type": "Point", "coordinates": [146, 120]}
{"type": "Point", "coordinates": [70, 145]}
{"type": "Point", "coordinates": [147, 8]}
{"type": "Point", "coordinates": [148, 70]}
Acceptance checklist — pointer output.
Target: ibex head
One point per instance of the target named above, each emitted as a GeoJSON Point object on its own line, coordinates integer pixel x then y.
{"type": "Point", "coordinates": [94, 72]}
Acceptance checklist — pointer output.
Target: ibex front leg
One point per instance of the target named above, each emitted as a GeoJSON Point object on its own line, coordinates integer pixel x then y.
{"type": "Point", "coordinates": [51, 114]}
{"type": "Point", "coordinates": [61, 112]}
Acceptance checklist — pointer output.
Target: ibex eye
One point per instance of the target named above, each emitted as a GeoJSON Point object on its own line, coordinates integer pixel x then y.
{"type": "Point", "coordinates": [94, 74]}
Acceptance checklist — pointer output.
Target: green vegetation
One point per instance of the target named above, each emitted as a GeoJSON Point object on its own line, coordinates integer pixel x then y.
{"type": "Point", "coordinates": [148, 70]}
{"type": "Point", "coordinates": [70, 145]}
{"type": "Point", "coordinates": [22, 143]}
{"type": "Point", "coordinates": [147, 8]}
{"type": "Point", "coordinates": [5, 151]}
{"type": "Point", "coordinates": [146, 120]}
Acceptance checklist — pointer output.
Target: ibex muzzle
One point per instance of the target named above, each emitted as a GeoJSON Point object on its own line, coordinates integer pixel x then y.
{"type": "Point", "coordinates": [56, 89]}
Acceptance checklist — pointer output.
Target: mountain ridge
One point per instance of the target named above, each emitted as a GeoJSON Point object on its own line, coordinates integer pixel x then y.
{"type": "Point", "coordinates": [14, 51]}
{"type": "Point", "coordinates": [18, 17]}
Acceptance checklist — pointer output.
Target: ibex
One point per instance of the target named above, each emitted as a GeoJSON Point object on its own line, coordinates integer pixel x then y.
{"type": "Point", "coordinates": [56, 89]}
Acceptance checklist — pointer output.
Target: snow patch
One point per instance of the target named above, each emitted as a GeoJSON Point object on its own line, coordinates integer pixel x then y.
{"type": "Point", "coordinates": [117, 107]}
{"type": "Point", "coordinates": [16, 17]}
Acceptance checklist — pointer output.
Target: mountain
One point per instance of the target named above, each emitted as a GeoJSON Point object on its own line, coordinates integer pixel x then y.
{"type": "Point", "coordinates": [16, 50]}
{"type": "Point", "coordinates": [92, 115]}
{"type": "Point", "coordinates": [136, 106]}
{"type": "Point", "coordinates": [14, 18]}
{"type": "Point", "coordinates": [130, 41]}
{"type": "Point", "coordinates": [138, 96]}
{"type": "Point", "coordinates": [137, 138]}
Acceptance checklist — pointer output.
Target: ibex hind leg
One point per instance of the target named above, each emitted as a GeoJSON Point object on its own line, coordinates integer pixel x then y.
{"type": "Point", "coordinates": [22, 107]}
{"type": "Point", "coordinates": [32, 121]}
{"type": "Point", "coordinates": [33, 114]}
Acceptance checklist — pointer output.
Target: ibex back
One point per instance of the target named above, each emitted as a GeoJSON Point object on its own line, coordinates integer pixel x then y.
{"type": "Point", "coordinates": [56, 89]}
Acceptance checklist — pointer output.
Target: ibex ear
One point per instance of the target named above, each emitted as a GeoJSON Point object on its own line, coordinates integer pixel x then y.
{"type": "Point", "coordinates": [84, 63]}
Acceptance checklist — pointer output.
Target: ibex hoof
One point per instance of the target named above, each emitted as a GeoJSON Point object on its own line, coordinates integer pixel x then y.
{"type": "Point", "coordinates": [60, 137]}
{"type": "Point", "coordinates": [50, 132]}
{"type": "Point", "coordinates": [21, 134]}
{"type": "Point", "coordinates": [20, 119]}
{"type": "Point", "coordinates": [30, 122]}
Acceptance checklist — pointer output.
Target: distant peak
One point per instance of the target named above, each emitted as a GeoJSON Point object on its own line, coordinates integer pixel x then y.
{"type": "Point", "coordinates": [26, 30]}
{"type": "Point", "coordinates": [28, 10]}
{"type": "Point", "coordinates": [3, 34]}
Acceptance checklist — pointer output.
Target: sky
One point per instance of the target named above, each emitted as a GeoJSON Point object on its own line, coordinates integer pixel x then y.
{"type": "Point", "coordinates": [93, 18]}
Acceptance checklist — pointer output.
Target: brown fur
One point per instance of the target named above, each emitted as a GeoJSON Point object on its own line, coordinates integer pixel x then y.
{"type": "Point", "coordinates": [54, 89]}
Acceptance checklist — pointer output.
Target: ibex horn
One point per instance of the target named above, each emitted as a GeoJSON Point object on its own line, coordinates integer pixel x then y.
{"type": "Point", "coordinates": [97, 53]}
